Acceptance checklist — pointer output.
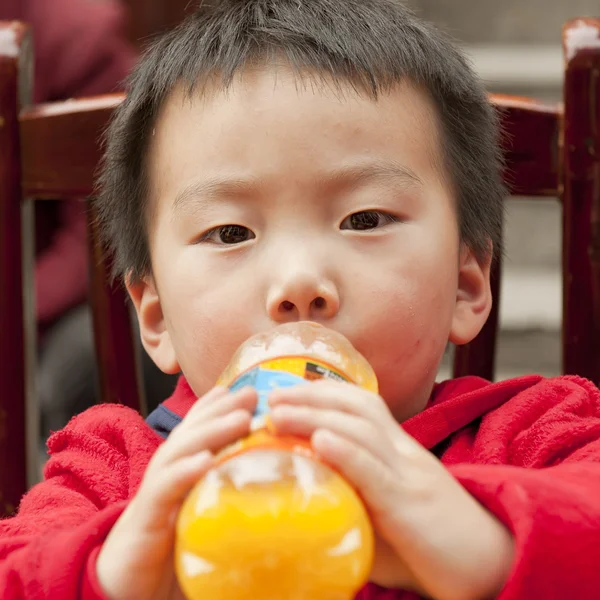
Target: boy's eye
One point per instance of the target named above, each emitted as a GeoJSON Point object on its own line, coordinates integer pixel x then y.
{"type": "Point", "coordinates": [366, 220]}
{"type": "Point", "coordinates": [228, 234]}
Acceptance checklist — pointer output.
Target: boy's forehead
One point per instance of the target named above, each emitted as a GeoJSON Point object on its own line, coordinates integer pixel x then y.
{"type": "Point", "coordinates": [268, 114]}
{"type": "Point", "coordinates": [285, 93]}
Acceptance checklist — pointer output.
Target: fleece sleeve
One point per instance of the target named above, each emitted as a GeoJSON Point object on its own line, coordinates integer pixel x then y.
{"type": "Point", "coordinates": [549, 497]}
{"type": "Point", "coordinates": [48, 550]}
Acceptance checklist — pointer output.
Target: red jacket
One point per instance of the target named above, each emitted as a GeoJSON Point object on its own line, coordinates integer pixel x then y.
{"type": "Point", "coordinates": [528, 449]}
{"type": "Point", "coordinates": [80, 50]}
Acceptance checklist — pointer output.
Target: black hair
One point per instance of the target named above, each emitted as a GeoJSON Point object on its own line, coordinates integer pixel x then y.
{"type": "Point", "coordinates": [370, 45]}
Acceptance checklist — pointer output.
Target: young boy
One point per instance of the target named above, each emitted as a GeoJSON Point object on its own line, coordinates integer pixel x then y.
{"type": "Point", "coordinates": [331, 160]}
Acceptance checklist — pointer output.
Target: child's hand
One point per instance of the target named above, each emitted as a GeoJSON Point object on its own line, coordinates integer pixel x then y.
{"type": "Point", "coordinates": [136, 560]}
{"type": "Point", "coordinates": [434, 537]}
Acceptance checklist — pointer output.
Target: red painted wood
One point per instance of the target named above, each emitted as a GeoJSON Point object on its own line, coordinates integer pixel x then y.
{"type": "Point", "coordinates": [61, 145]}
{"type": "Point", "coordinates": [14, 40]}
{"type": "Point", "coordinates": [61, 152]}
{"type": "Point", "coordinates": [581, 199]}
{"type": "Point", "coordinates": [531, 132]}
{"type": "Point", "coordinates": [113, 334]}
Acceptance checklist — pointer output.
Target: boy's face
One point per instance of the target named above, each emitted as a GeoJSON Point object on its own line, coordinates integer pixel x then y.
{"type": "Point", "coordinates": [339, 212]}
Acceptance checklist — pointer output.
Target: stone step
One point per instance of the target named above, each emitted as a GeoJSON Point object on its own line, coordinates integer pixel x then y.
{"type": "Point", "coordinates": [520, 68]}
{"type": "Point", "coordinates": [533, 233]}
{"type": "Point", "coordinates": [530, 300]}
{"type": "Point", "coordinates": [507, 22]}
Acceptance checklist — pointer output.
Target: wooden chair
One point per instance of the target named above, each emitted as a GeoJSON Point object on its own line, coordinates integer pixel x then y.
{"type": "Point", "coordinates": [47, 152]}
{"type": "Point", "coordinates": [555, 152]}
{"type": "Point", "coordinates": [51, 151]}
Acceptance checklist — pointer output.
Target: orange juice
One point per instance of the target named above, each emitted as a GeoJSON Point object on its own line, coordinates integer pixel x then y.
{"type": "Point", "coordinates": [271, 521]}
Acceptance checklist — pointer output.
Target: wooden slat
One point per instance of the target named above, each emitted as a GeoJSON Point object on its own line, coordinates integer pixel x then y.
{"type": "Point", "coordinates": [581, 199]}
{"type": "Point", "coordinates": [60, 145]}
{"type": "Point", "coordinates": [15, 324]}
{"type": "Point", "coordinates": [116, 352]}
{"type": "Point", "coordinates": [61, 151]}
{"type": "Point", "coordinates": [531, 145]}
{"type": "Point", "coordinates": [531, 152]}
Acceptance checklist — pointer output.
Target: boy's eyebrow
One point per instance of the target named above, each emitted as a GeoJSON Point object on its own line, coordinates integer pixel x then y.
{"type": "Point", "coordinates": [212, 187]}
{"type": "Point", "coordinates": [346, 176]}
{"type": "Point", "coordinates": [376, 169]}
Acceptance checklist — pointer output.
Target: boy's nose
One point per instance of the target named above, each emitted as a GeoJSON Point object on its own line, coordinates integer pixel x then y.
{"type": "Point", "coordinates": [302, 299]}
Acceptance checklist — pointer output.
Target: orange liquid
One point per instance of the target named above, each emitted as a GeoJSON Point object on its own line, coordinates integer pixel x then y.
{"type": "Point", "coordinates": [273, 526]}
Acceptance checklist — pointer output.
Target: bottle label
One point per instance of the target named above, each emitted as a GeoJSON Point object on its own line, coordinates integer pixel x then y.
{"type": "Point", "coordinates": [282, 373]}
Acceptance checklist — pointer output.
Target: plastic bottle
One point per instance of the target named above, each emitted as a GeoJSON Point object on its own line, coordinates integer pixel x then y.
{"type": "Point", "coordinates": [270, 521]}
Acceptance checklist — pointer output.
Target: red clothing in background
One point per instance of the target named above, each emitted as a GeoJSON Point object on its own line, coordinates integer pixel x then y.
{"type": "Point", "coordinates": [80, 50]}
{"type": "Point", "coordinates": [528, 449]}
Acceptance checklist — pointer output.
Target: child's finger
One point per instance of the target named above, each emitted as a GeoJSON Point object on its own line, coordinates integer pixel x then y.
{"type": "Point", "coordinates": [222, 404]}
{"type": "Point", "coordinates": [212, 435]}
{"type": "Point", "coordinates": [367, 473]}
{"type": "Point", "coordinates": [343, 397]}
{"type": "Point", "coordinates": [305, 420]}
{"type": "Point", "coordinates": [208, 398]}
{"type": "Point", "coordinates": [219, 401]}
{"type": "Point", "coordinates": [168, 490]}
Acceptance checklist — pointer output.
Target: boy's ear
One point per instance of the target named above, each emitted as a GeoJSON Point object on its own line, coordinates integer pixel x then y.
{"type": "Point", "coordinates": [473, 297]}
{"type": "Point", "coordinates": [153, 330]}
